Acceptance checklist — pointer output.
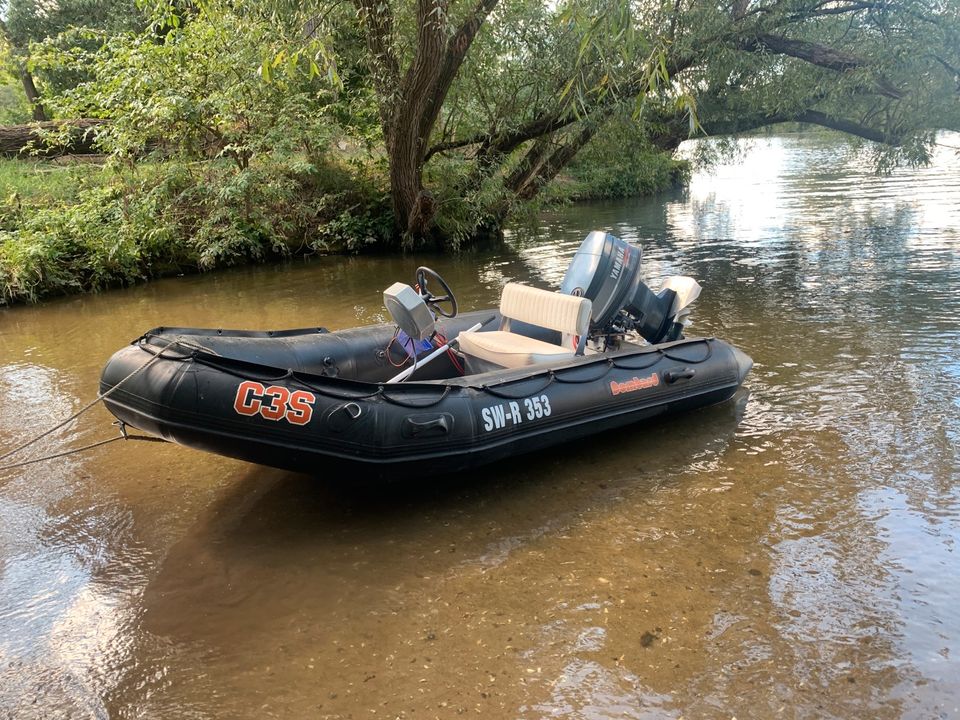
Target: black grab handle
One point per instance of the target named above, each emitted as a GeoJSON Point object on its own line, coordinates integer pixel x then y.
{"type": "Point", "coordinates": [429, 425]}
{"type": "Point", "coordinates": [671, 376]}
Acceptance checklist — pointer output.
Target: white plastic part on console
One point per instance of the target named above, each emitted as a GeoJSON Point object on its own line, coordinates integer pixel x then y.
{"type": "Point", "coordinates": [409, 311]}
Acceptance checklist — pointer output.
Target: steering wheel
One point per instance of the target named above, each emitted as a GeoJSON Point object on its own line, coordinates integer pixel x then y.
{"type": "Point", "coordinates": [425, 273]}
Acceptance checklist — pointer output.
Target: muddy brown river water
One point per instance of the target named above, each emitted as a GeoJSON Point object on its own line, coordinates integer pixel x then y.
{"type": "Point", "coordinates": [789, 554]}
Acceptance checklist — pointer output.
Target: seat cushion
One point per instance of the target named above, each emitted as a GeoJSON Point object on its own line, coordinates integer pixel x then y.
{"type": "Point", "coordinates": [566, 313]}
{"type": "Point", "coordinates": [510, 350]}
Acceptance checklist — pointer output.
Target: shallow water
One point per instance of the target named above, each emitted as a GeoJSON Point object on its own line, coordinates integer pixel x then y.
{"type": "Point", "coordinates": [787, 554]}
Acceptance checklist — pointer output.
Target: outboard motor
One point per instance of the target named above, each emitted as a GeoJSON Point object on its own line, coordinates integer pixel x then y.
{"type": "Point", "coordinates": [607, 270]}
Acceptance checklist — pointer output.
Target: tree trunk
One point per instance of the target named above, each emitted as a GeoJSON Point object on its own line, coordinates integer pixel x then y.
{"type": "Point", "coordinates": [545, 160]}
{"type": "Point", "coordinates": [26, 79]}
{"type": "Point", "coordinates": [409, 106]}
{"type": "Point", "coordinates": [26, 140]}
{"type": "Point", "coordinates": [411, 122]}
{"type": "Point", "coordinates": [529, 166]}
{"type": "Point", "coordinates": [30, 90]}
{"type": "Point", "coordinates": [412, 204]}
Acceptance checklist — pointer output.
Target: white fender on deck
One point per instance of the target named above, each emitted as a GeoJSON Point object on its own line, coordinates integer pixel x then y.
{"type": "Point", "coordinates": [687, 290]}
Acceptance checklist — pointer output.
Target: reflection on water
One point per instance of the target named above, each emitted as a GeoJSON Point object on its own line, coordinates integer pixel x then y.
{"type": "Point", "coordinates": [791, 553]}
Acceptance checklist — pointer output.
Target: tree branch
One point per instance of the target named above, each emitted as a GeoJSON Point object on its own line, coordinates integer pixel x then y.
{"type": "Point", "coordinates": [816, 54]}
{"type": "Point", "coordinates": [813, 53]}
{"type": "Point", "coordinates": [675, 129]}
{"type": "Point", "coordinates": [548, 168]}
{"type": "Point", "coordinates": [557, 119]}
{"type": "Point", "coordinates": [510, 139]}
{"type": "Point", "coordinates": [824, 9]}
{"type": "Point", "coordinates": [850, 127]}
{"type": "Point", "coordinates": [76, 137]}
{"type": "Point", "coordinates": [950, 69]}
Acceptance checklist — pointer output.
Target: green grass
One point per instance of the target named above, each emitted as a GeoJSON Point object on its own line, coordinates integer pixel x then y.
{"type": "Point", "coordinates": [37, 182]}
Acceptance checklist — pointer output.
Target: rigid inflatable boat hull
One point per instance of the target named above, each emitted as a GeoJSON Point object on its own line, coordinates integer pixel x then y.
{"type": "Point", "coordinates": [291, 399]}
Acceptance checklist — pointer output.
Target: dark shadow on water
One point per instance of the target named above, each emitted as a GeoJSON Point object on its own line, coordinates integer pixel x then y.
{"type": "Point", "coordinates": [558, 480]}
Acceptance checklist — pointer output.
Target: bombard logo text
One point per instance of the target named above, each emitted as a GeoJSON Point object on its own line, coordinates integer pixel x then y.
{"type": "Point", "coordinates": [634, 384]}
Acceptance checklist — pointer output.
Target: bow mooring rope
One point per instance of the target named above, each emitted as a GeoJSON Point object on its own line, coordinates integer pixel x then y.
{"type": "Point", "coordinates": [91, 446]}
{"type": "Point", "coordinates": [81, 411]}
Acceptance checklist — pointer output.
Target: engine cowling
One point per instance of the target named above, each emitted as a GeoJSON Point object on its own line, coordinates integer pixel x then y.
{"type": "Point", "coordinates": [606, 270]}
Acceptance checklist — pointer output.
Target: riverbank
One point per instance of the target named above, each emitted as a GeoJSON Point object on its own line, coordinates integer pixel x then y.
{"type": "Point", "coordinates": [78, 226]}
{"type": "Point", "coordinates": [81, 227]}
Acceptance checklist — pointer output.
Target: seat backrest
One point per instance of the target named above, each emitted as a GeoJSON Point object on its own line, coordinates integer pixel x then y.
{"type": "Point", "coordinates": [568, 314]}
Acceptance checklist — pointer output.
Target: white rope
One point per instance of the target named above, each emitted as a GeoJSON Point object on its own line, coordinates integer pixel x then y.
{"type": "Point", "coordinates": [100, 396]}
{"type": "Point", "coordinates": [125, 436]}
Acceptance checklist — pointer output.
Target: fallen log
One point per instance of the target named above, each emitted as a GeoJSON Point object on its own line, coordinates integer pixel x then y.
{"type": "Point", "coordinates": [28, 140]}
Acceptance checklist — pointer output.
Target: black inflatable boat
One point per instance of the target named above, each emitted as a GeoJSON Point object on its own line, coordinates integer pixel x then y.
{"type": "Point", "coordinates": [437, 389]}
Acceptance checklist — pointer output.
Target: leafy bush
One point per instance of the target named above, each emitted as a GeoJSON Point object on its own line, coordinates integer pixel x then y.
{"type": "Point", "coordinates": [176, 216]}
{"type": "Point", "coordinates": [195, 92]}
{"type": "Point", "coordinates": [468, 207]}
{"type": "Point", "coordinates": [14, 108]}
{"type": "Point", "coordinates": [621, 163]}
{"type": "Point", "coordinates": [76, 247]}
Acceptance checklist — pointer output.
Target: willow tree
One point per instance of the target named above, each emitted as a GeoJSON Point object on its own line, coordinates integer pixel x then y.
{"type": "Point", "coordinates": [482, 103]}
{"type": "Point", "coordinates": [517, 88]}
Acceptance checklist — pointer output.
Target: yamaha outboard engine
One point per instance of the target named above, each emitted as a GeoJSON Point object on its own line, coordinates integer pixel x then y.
{"type": "Point", "coordinates": [607, 270]}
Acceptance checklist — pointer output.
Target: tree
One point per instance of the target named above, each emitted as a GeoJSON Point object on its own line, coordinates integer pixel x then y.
{"type": "Point", "coordinates": [518, 88]}
{"type": "Point", "coordinates": [225, 82]}
{"type": "Point", "coordinates": [16, 57]}
{"type": "Point", "coordinates": [475, 106]}
{"type": "Point", "coordinates": [30, 21]}
{"type": "Point", "coordinates": [411, 98]}
{"type": "Point", "coordinates": [73, 136]}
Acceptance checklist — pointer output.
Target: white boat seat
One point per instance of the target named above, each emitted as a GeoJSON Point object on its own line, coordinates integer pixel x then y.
{"type": "Point", "coordinates": [565, 313]}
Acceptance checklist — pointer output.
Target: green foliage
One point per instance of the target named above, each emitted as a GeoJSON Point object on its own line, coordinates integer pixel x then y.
{"type": "Point", "coordinates": [707, 153]}
{"type": "Point", "coordinates": [540, 77]}
{"type": "Point", "coordinates": [467, 211]}
{"type": "Point", "coordinates": [620, 163]}
{"type": "Point", "coordinates": [66, 26]}
{"type": "Point", "coordinates": [14, 108]}
{"type": "Point", "coordinates": [177, 216]}
{"type": "Point", "coordinates": [78, 247]}
{"type": "Point", "coordinates": [271, 126]}
{"type": "Point", "coordinates": [887, 69]}
{"type": "Point", "coordinates": [353, 227]}
{"type": "Point", "coordinates": [543, 59]}
{"type": "Point", "coordinates": [222, 141]}
{"type": "Point", "coordinates": [13, 105]}
{"type": "Point", "coordinates": [34, 20]}
{"type": "Point", "coordinates": [197, 93]}
{"type": "Point", "coordinates": [915, 151]}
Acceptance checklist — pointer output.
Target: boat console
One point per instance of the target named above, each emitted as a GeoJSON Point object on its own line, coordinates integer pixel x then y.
{"type": "Point", "coordinates": [414, 310]}
{"type": "Point", "coordinates": [604, 274]}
